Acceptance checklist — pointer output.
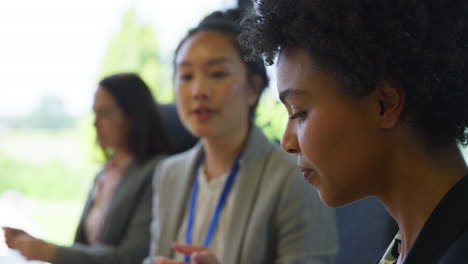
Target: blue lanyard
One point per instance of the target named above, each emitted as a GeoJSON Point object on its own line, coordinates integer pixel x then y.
{"type": "Point", "coordinates": [219, 207]}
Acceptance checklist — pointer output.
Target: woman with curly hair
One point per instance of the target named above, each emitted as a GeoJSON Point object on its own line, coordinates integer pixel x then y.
{"type": "Point", "coordinates": [235, 197]}
{"type": "Point", "coordinates": [377, 95]}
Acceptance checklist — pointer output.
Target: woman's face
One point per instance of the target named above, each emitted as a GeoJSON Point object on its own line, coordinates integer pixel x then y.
{"type": "Point", "coordinates": [110, 121]}
{"type": "Point", "coordinates": [341, 150]}
{"type": "Point", "coordinates": [212, 89]}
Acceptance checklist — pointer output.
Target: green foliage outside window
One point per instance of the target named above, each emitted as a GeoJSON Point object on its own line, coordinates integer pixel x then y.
{"type": "Point", "coordinates": [134, 48]}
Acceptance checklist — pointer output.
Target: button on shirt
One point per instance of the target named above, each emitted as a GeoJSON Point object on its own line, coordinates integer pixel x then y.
{"type": "Point", "coordinates": [209, 193]}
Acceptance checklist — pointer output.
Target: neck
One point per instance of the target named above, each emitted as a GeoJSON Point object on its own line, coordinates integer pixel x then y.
{"type": "Point", "coordinates": [120, 155]}
{"type": "Point", "coordinates": [221, 152]}
{"type": "Point", "coordinates": [417, 184]}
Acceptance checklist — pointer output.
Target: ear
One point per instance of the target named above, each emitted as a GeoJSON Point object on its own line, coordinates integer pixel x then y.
{"type": "Point", "coordinates": [255, 86]}
{"type": "Point", "coordinates": [390, 100]}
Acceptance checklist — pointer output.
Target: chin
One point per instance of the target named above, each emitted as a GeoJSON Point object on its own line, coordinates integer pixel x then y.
{"type": "Point", "coordinates": [200, 132]}
{"type": "Point", "coordinates": [335, 198]}
{"type": "Point", "coordinates": [102, 144]}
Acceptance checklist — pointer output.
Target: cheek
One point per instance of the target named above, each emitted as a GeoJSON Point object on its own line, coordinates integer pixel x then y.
{"type": "Point", "coordinates": [235, 95]}
{"type": "Point", "coordinates": [182, 98]}
{"type": "Point", "coordinates": [116, 126]}
{"type": "Point", "coordinates": [341, 146]}
{"type": "Point", "coordinates": [180, 94]}
{"type": "Point", "coordinates": [328, 139]}
{"type": "Point", "coordinates": [317, 133]}
{"type": "Point", "coordinates": [123, 129]}
{"type": "Point", "coordinates": [105, 125]}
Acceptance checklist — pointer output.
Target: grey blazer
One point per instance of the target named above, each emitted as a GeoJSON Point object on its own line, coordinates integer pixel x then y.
{"type": "Point", "coordinates": [278, 217]}
{"type": "Point", "coordinates": [124, 235]}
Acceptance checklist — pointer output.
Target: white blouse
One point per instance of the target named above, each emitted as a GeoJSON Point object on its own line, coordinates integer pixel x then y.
{"type": "Point", "coordinates": [102, 194]}
{"type": "Point", "coordinates": [209, 193]}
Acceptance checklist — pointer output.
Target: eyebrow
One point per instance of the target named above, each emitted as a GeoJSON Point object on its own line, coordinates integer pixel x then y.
{"type": "Point", "coordinates": [290, 92]}
{"type": "Point", "coordinates": [216, 61]}
{"type": "Point", "coordinates": [208, 63]}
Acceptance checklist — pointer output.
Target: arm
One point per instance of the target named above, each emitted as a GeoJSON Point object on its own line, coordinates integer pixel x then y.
{"type": "Point", "coordinates": [306, 227]}
{"type": "Point", "coordinates": [28, 246]}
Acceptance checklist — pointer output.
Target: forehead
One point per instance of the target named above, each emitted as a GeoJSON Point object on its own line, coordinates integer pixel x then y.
{"type": "Point", "coordinates": [103, 98]}
{"type": "Point", "coordinates": [299, 76]}
{"type": "Point", "coordinates": [293, 66]}
{"type": "Point", "coordinates": [207, 45]}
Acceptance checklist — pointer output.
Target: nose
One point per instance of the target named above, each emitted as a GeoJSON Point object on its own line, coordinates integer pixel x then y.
{"type": "Point", "coordinates": [95, 122]}
{"type": "Point", "coordinates": [289, 141]}
{"type": "Point", "coordinates": [200, 88]}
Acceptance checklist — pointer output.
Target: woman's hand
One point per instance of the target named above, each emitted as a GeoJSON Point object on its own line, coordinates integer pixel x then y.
{"type": "Point", "coordinates": [198, 255]}
{"type": "Point", "coordinates": [10, 235]}
{"type": "Point", "coordinates": [30, 247]}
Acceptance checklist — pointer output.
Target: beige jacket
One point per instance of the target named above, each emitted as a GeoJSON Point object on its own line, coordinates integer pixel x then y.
{"type": "Point", "coordinates": [278, 217]}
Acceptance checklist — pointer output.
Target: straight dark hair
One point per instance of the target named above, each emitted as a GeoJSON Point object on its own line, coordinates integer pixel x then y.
{"type": "Point", "coordinates": [147, 136]}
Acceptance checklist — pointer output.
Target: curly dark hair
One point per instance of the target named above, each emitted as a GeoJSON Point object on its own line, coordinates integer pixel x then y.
{"type": "Point", "coordinates": [228, 23]}
{"type": "Point", "coordinates": [420, 46]}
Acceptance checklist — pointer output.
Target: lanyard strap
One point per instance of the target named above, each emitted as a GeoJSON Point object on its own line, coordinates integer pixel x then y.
{"type": "Point", "coordinates": [219, 207]}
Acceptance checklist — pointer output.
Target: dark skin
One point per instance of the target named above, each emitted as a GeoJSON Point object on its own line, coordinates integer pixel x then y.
{"type": "Point", "coordinates": [367, 137]}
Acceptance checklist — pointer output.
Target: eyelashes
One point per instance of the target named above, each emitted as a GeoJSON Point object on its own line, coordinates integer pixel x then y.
{"type": "Point", "coordinates": [185, 77]}
{"type": "Point", "coordinates": [219, 74]}
{"type": "Point", "coordinates": [213, 75]}
{"type": "Point", "coordinates": [299, 115]}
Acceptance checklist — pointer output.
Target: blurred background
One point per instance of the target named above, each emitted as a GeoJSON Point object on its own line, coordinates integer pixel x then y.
{"type": "Point", "coordinates": [52, 54]}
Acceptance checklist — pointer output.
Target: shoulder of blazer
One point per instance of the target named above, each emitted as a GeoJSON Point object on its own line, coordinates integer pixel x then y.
{"type": "Point", "coordinates": [261, 151]}
{"type": "Point", "coordinates": [447, 223]}
{"type": "Point", "coordinates": [128, 195]}
{"type": "Point", "coordinates": [149, 166]}
{"type": "Point", "coordinates": [176, 165]}
{"type": "Point", "coordinates": [458, 251]}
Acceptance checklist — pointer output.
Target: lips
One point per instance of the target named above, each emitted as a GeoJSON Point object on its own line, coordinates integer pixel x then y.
{"type": "Point", "coordinates": [99, 135]}
{"type": "Point", "coordinates": [308, 173]}
{"type": "Point", "coordinates": [203, 113]}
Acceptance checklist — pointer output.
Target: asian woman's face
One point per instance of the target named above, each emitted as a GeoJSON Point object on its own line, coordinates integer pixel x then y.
{"type": "Point", "coordinates": [340, 147]}
{"type": "Point", "coordinates": [212, 88]}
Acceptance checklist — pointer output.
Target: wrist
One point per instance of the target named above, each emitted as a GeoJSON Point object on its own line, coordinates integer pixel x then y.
{"type": "Point", "coordinates": [50, 252]}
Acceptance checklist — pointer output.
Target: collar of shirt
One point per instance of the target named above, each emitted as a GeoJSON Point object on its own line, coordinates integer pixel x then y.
{"type": "Point", "coordinates": [393, 251]}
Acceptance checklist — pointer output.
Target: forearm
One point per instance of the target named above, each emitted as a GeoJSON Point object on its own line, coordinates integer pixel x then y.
{"type": "Point", "coordinates": [100, 254]}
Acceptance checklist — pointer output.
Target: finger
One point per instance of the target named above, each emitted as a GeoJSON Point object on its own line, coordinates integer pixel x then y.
{"type": "Point", "coordinates": [187, 249]}
{"type": "Point", "coordinates": [204, 258]}
{"type": "Point", "coordinates": [12, 232]}
{"type": "Point", "coordinates": [14, 243]}
{"type": "Point", "coordinates": [10, 244]}
{"type": "Point", "coordinates": [19, 245]}
{"type": "Point", "coordinates": [26, 248]}
{"type": "Point", "coordinates": [25, 236]}
{"type": "Point", "coordinates": [8, 231]}
{"type": "Point", "coordinates": [163, 260]}
{"type": "Point", "coordinates": [21, 242]}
